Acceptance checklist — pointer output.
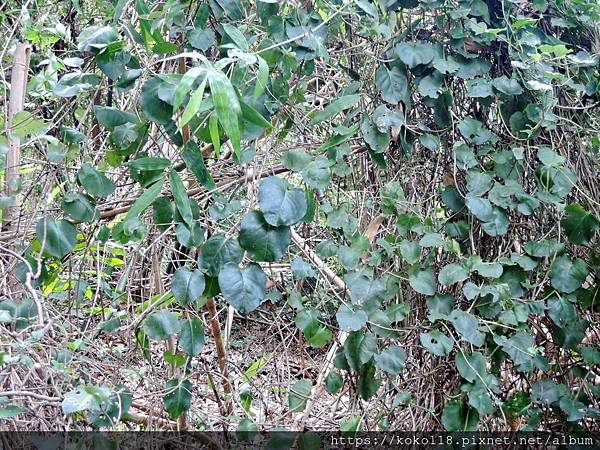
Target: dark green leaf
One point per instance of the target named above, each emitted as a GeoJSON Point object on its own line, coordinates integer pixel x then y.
{"type": "Point", "coordinates": [280, 203]}
{"type": "Point", "coordinates": [218, 251]}
{"type": "Point", "coordinates": [181, 199]}
{"type": "Point", "coordinates": [227, 106]}
{"type": "Point", "coordinates": [178, 397]}
{"type": "Point", "coordinates": [580, 225]}
{"type": "Point", "coordinates": [333, 383]}
{"type": "Point", "coordinates": [244, 289]}
{"type": "Point", "coordinates": [392, 84]}
{"type": "Point", "coordinates": [262, 241]}
{"type": "Point", "coordinates": [57, 237]}
{"type": "Point", "coordinates": [191, 337]}
{"type": "Point", "coordinates": [187, 286]}
{"type": "Point", "coordinates": [79, 207]}
{"type": "Point", "coordinates": [299, 395]}
{"type": "Point", "coordinates": [161, 325]}
{"type": "Point", "coordinates": [351, 320]}
{"type": "Point", "coordinates": [335, 107]}
{"type": "Point", "coordinates": [391, 360]}
{"type": "Point", "coordinates": [437, 343]}
{"type": "Point", "coordinates": [94, 182]}
{"type": "Point", "coordinates": [459, 417]}
{"type": "Point", "coordinates": [423, 281]}
{"type": "Point", "coordinates": [567, 275]}
{"type": "Point", "coordinates": [359, 348]}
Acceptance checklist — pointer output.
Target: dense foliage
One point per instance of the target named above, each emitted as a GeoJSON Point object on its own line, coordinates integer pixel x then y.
{"type": "Point", "coordinates": [395, 200]}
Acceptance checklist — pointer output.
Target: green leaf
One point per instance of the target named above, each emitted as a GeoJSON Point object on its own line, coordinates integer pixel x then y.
{"type": "Point", "coordinates": [479, 207]}
{"type": "Point", "coordinates": [181, 199]}
{"type": "Point", "coordinates": [262, 78]}
{"type": "Point", "coordinates": [567, 276]}
{"type": "Point", "coordinates": [478, 183]}
{"type": "Point", "coordinates": [459, 417]}
{"type": "Point", "coordinates": [94, 182]}
{"type": "Point", "coordinates": [155, 109]}
{"type": "Point", "coordinates": [350, 425]}
{"type": "Point", "coordinates": [333, 383]}
{"type": "Point", "coordinates": [335, 107]}
{"type": "Point", "coordinates": [254, 117]}
{"type": "Point", "coordinates": [192, 156]}
{"type": "Point", "coordinates": [547, 392]}
{"type": "Point", "coordinates": [410, 251]}
{"type": "Point", "coordinates": [351, 320]}
{"type": "Point", "coordinates": [423, 281]}
{"type": "Point", "coordinates": [474, 131]}
{"type": "Point", "coordinates": [392, 84]}
{"type": "Point", "coordinates": [184, 86]}
{"type": "Point", "coordinates": [58, 237]}
{"type": "Point", "coordinates": [521, 349]}
{"type": "Point", "coordinates": [316, 173]}
{"type": "Point", "coordinates": [544, 249]}
{"type": "Point", "coordinates": [497, 225]}
{"type": "Point", "coordinates": [414, 54]}
{"type": "Point", "coordinates": [246, 429]}
{"type": "Point", "coordinates": [580, 225]}
{"type": "Point", "coordinates": [473, 368]}
{"type": "Point", "coordinates": [178, 397]}
{"type": "Point", "coordinates": [244, 289]}
{"type": "Point", "coordinates": [95, 38]}
{"type": "Point", "coordinates": [187, 286]}
{"type": "Point", "coordinates": [508, 86]}
{"type": "Point", "coordinates": [78, 400]}
{"type": "Point", "coordinates": [262, 241]}
{"type": "Point", "coordinates": [490, 270]}
{"type": "Point", "coordinates": [391, 360]}
{"type": "Point", "coordinates": [218, 251]}
{"type": "Point", "coordinates": [301, 269]}
{"type": "Point", "coordinates": [467, 325]}
{"type": "Point", "coordinates": [110, 118]}
{"type": "Point", "coordinates": [201, 39]}
{"type": "Point", "coordinates": [161, 325]}
{"type": "Point", "coordinates": [367, 383]}
{"type": "Point", "coordinates": [149, 163]}
{"type": "Point", "coordinates": [378, 141]}
{"type": "Point", "coordinates": [299, 395]}
{"type": "Point", "coordinates": [452, 273]}
{"type": "Point", "coordinates": [145, 200]}
{"type": "Point", "coordinates": [437, 343]}
{"type": "Point", "coordinates": [191, 337]}
{"type": "Point", "coordinates": [280, 203]}
{"type": "Point", "coordinates": [227, 106]}
{"type": "Point", "coordinates": [10, 411]}
{"type": "Point", "coordinates": [79, 207]}
{"type": "Point", "coordinates": [236, 36]}
{"type": "Point", "coordinates": [193, 105]}
{"type": "Point", "coordinates": [359, 348]}
{"type": "Point", "coordinates": [440, 306]}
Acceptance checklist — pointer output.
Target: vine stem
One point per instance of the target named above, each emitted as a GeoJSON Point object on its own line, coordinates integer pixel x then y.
{"type": "Point", "coordinates": [216, 331]}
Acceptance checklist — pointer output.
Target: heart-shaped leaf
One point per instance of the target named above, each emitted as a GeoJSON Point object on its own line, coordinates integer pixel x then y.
{"type": "Point", "coordinates": [58, 237]}
{"type": "Point", "coordinates": [281, 204]}
{"type": "Point", "coordinates": [244, 289]}
{"type": "Point", "coordinates": [262, 241]}
{"type": "Point", "coordinates": [187, 286]}
{"type": "Point", "coordinates": [191, 337]}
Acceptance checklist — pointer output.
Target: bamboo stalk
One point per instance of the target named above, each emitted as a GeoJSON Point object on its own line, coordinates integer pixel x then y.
{"type": "Point", "coordinates": [18, 85]}
{"type": "Point", "coordinates": [16, 104]}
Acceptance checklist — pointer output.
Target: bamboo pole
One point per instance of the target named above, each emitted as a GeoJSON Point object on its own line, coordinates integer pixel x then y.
{"type": "Point", "coordinates": [18, 85]}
